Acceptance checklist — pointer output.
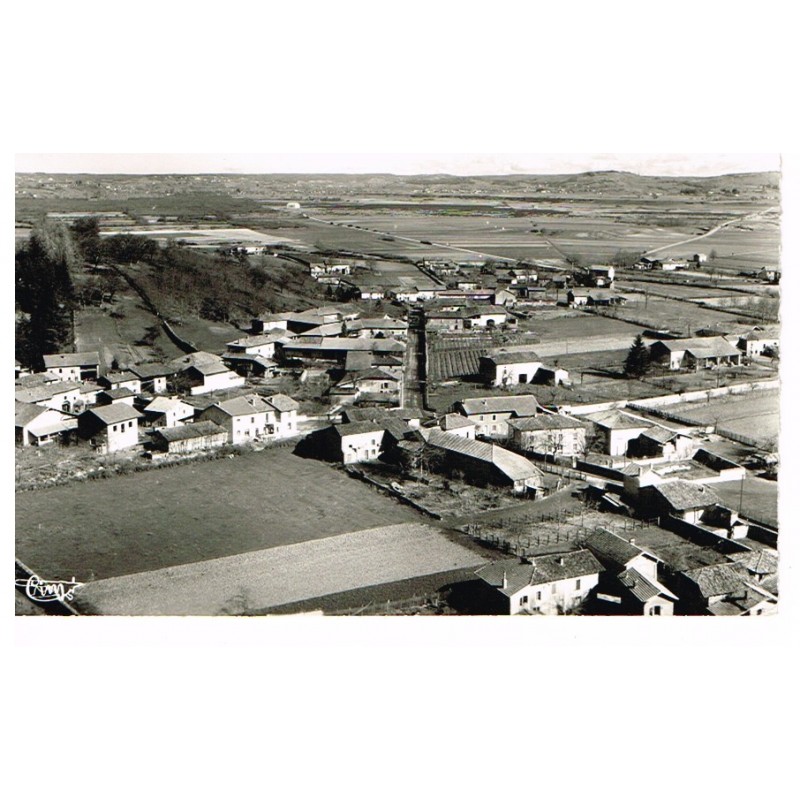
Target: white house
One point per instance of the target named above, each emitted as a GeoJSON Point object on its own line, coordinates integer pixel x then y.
{"type": "Point", "coordinates": [36, 425]}
{"type": "Point", "coordinates": [74, 366]}
{"type": "Point", "coordinates": [549, 584]}
{"type": "Point", "coordinates": [490, 415]}
{"type": "Point", "coordinates": [259, 345]}
{"type": "Point", "coordinates": [283, 422]}
{"type": "Point", "coordinates": [358, 441]}
{"type": "Point", "coordinates": [244, 418]}
{"type": "Point", "coordinates": [168, 412]}
{"type": "Point", "coordinates": [110, 428]}
{"type": "Point", "coordinates": [616, 429]}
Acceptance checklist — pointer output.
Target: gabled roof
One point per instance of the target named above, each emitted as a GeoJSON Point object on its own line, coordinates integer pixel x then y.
{"type": "Point", "coordinates": [87, 359]}
{"type": "Point", "coordinates": [160, 405]}
{"type": "Point", "coordinates": [194, 430]}
{"type": "Point", "coordinates": [515, 467]}
{"type": "Point", "coordinates": [761, 562]}
{"type": "Point", "coordinates": [242, 406]}
{"type": "Point", "coordinates": [210, 368]}
{"type": "Point", "coordinates": [258, 341]}
{"type": "Point", "coordinates": [684, 496]}
{"type": "Point", "coordinates": [769, 333]}
{"type": "Point", "coordinates": [523, 405]}
{"type": "Point", "coordinates": [541, 570]}
{"type": "Point", "coordinates": [148, 371]}
{"type": "Point", "coordinates": [662, 435]}
{"type": "Point", "coordinates": [375, 375]}
{"type": "Point", "coordinates": [643, 588]}
{"type": "Point", "coordinates": [700, 347]}
{"type": "Point", "coordinates": [546, 422]}
{"type": "Point", "coordinates": [500, 356]}
{"type": "Point", "coordinates": [607, 545]}
{"type": "Point", "coordinates": [358, 428]}
{"type": "Point", "coordinates": [616, 420]}
{"type": "Point", "coordinates": [715, 579]}
{"type": "Point", "coordinates": [25, 413]}
{"type": "Point", "coordinates": [37, 394]}
{"type": "Point", "coordinates": [451, 422]}
{"type": "Point", "coordinates": [119, 377]}
{"type": "Point", "coordinates": [282, 402]}
{"type": "Point", "coordinates": [116, 412]}
{"type": "Point", "coordinates": [117, 394]}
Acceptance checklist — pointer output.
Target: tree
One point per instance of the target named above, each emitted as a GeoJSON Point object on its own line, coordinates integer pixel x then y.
{"type": "Point", "coordinates": [712, 255]}
{"type": "Point", "coordinates": [637, 363]}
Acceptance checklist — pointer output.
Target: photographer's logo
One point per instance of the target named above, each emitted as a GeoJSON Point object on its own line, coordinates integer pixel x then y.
{"type": "Point", "coordinates": [42, 591]}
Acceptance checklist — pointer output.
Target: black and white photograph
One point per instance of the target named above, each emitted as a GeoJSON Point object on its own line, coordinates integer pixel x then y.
{"type": "Point", "coordinates": [404, 400]}
{"type": "Point", "coordinates": [429, 393]}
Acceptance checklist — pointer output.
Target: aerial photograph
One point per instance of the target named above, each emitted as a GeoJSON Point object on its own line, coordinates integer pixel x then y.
{"type": "Point", "coordinates": [375, 394]}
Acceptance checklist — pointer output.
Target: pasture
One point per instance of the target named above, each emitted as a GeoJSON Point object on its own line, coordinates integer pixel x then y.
{"type": "Point", "coordinates": [193, 512]}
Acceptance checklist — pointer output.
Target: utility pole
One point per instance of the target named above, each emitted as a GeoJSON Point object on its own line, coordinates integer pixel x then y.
{"type": "Point", "coordinates": [741, 494]}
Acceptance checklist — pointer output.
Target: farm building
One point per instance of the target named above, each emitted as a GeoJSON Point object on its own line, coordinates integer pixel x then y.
{"type": "Point", "coordinates": [260, 345]}
{"type": "Point", "coordinates": [36, 425]}
{"type": "Point", "coordinates": [485, 463]}
{"type": "Point", "coordinates": [553, 434]}
{"type": "Point", "coordinates": [457, 425]}
{"type": "Point", "coordinates": [167, 412]}
{"type": "Point", "coordinates": [74, 366]}
{"type": "Point", "coordinates": [760, 342]}
{"type": "Point", "coordinates": [515, 365]}
{"type": "Point", "coordinates": [377, 326]}
{"type": "Point", "coordinates": [466, 296]}
{"type": "Point", "coordinates": [595, 298]}
{"type": "Point", "coordinates": [662, 442]}
{"type": "Point", "coordinates": [121, 380]}
{"type": "Point", "coordinates": [700, 353]}
{"type": "Point", "coordinates": [630, 582]}
{"type": "Point", "coordinates": [491, 414]}
{"type": "Point", "coordinates": [616, 429]}
{"type": "Point", "coordinates": [679, 498]}
{"type": "Point", "coordinates": [549, 584]}
{"type": "Point", "coordinates": [445, 320]}
{"type": "Point", "coordinates": [721, 590]}
{"type": "Point", "coordinates": [109, 396]}
{"type": "Point", "coordinates": [335, 349]}
{"type": "Point", "coordinates": [283, 423]}
{"type": "Point", "coordinates": [110, 428]}
{"type": "Point", "coordinates": [599, 275]}
{"type": "Point", "coordinates": [244, 418]}
{"type": "Point", "coordinates": [248, 365]}
{"type": "Point", "coordinates": [153, 377]}
{"type": "Point", "coordinates": [61, 396]}
{"type": "Point", "coordinates": [20, 370]}
{"type": "Point", "coordinates": [189, 438]}
{"type": "Point", "coordinates": [370, 382]}
{"type": "Point", "coordinates": [356, 442]}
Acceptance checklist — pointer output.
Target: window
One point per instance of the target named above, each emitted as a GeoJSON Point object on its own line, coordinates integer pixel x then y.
{"type": "Point", "coordinates": [252, 420]}
{"type": "Point", "coordinates": [114, 428]}
{"type": "Point", "coordinates": [130, 424]}
{"type": "Point", "coordinates": [655, 611]}
{"type": "Point", "coordinates": [538, 595]}
{"type": "Point", "coordinates": [523, 600]}
{"type": "Point", "coordinates": [578, 584]}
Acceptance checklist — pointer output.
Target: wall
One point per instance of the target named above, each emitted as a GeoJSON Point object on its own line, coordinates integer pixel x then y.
{"type": "Point", "coordinates": [564, 594]}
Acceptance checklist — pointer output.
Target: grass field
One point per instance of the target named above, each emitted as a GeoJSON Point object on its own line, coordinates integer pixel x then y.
{"type": "Point", "coordinates": [255, 581]}
{"type": "Point", "coordinates": [758, 497]}
{"type": "Point", "coordinates": [756, 414]}
{"type": "Point", "coordinates": [105, 528]}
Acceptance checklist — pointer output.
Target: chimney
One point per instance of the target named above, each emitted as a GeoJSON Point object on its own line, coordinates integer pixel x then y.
{"type": "Point", "coordinates": [632, 540]}
{"type": "Point", "coordinates": [505, 580]}
{"type": "Point", "coordinates": [561, 561]}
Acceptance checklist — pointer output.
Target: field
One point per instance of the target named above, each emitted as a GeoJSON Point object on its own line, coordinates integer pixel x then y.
{"type": "Point", "coordinates": [754, 415]}
{"type": "Point", "coordinates": [105, 528]}
{"type": "Point", "coordinates": [758, 498]}
{"type": "Point", "coordinates": [259, 580]}
{"type": "Point", "coordinates": [204, 237]}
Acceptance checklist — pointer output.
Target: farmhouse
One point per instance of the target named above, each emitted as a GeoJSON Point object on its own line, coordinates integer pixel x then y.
{"type": "Point", "coordinates": [760, 342]}
{"type": "Point", "coordinates": [720, 590]}
{"type": "Point", "coordinates": [549, 584]}
{"type": "Point", "coordinates": [110, 428]}
{"type": "Point", "coordinates": [616, 430]}
{"type": "Point", "coordinates": [109, 396]}
{"type": "Point", "coordinates": [74, 366]}
{"type": "Point", "coordinates": [662, 442]}
{"type": "Point", "coordinates": [377, 326]}
{"type": "Point", "coordinates": [260, 345]}
{"type": "Point", "coordinates": [244, 418]}
{"type": "Point", "coordinates": [167, 412]}
{"type": "Point", "coordinates": [36, 425]}
{"type": "Point", "coordinates": [248, 365]}
{"type": "Point", "coordinates": [335, 349]}
{"type": "Point", "coordinates": [457, 425]}
{"type": "Point", "coordinates": [515, 365]}
{"type": "Point", "coordinates": [152, 377]}
{"type": "Point", "coordinates": [595, 297]}
{"type": "Point", "coordinates": [206, 372]}
{"type": "Point", "coordinates": [121, 380]}
{"type": "Point", "coordinates": [61, 396]}
{"type": "Point", "coordinates": [483, 462]}
{"type": "Point", "coordinates": [491, 414]}
{"type": "Point", "coordinates": [547, 433]}
{"type": "Point", "coordinates": [283, 421]}
{"type": "Point", "coordinates": [681, 499]}
{"type": "Point", "coordinates": [700, 353]}
{"type": "Point", "coordinates": [357, 442]}
{"type": "Point", "coordinates": [189, 438]}
{"type": "Point", "coordinates": [599, 275]}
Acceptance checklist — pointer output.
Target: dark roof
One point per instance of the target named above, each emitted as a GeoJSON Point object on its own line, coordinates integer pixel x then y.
{"type": "Point", "coordinates": [660, 434]}
{"type": "Point", "coordinates": [609, 546]}
{"type": "Point", "coordinates": [683, 496]}
{"type": "Point", "coordinates": [194, 430]}
{"type": "Point", "coordinates": [117, 394]}
{"type": "Point", "coordinates": [701, 347]}
{"type": "Point", "coordinates": [119, 377]}
{"type": "Point", "coordinates": [116, 412]}
{"type": "Point", "coordinates": [375, 375]}
{"type": "Point", "coordinates": [541, 570]}
{"type": "Point", "coordinates": [716, 579]}
{"type": "Point", "coordinates": [512, 357]}
{"type": "Point", "coordinates": [209, 369]}
{"type": "Point", "coordinates": [148, 371]}
{"type": "Point", "coordinates": [643, 588]}
{"type": "Point", "coordinates": [353, 428]}
{"type": "Point", "coordinates": [282, 402]}
{"type": "Point", "coordinates": [55, 360]}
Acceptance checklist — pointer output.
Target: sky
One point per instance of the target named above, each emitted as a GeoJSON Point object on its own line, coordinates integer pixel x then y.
{"type": "Point", "coordinates": [700, 164]}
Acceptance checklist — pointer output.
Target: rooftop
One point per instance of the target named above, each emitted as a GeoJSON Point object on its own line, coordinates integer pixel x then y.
{"type": "Point", "coordinates": [194, 430]}
{"type": "Point", "coordinates": [522, 405]}
{"type": "Point", "coordinates": [87, 359]}
{"type": "Point", "coordinates": [609, 546]}
{"type": "Point", "coordinates": [500, 356]}
{"type": "Point", "coordinates": [546, 422]}
{"type": "Point", "coordinates": [684, 496]}
{"type": "Point", "coordinates": [615, 419]}
{"type": "Point", "coordinates": [116, 412]}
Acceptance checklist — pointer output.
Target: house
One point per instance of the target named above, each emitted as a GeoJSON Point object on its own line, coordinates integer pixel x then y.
{"type": "Point", "coordinates": [110, 428]}
{"type": "Point", "coordinates": [662, 442]}
{"type": "Point", "coordinates": [260, 345]}
{"type": "Point", "coordinates": [37, 425]}
{"type": "Point", "coordinates": [616, 429]}
{"type": "Point", "coordinates": [630, 582]}
{"type": "Point", "coordinates": [515, 365]}
{"type": "Point", "coordinates": [244, 418]}
{"type": "Point", "coordinates": [74, 366]}
{"type": "Point", "coordinates": [760, 342]}
{"type": "Point", "coordinates": [335, 350]}
{"type": "Point", "coordinates": [507, 298]}
{"type": "Point", "coordinates": [679, 498]}
{"type": "Point", "coordinates": [446, 320]}
{"type": "Point", "coordinates": [248, 365]}
{"type": "Point", "coordinates": [484, 463]}
{"type": "Point", "coordinates": [599, 275]}
{"type": "Point", "coordinates": [721, 590]}
{"type": "Point", "coordinates": [299, 321]}
{"type": "Point", "coordinates": [372, 383]}
{"type": "Point", "coordinates": [491, 414]}
{"type": "Point", "coordinates": [167, 412]}
{"type": "Point", "coordinates": [189, 438]}
{"type": "Point", "coordinates": [205, 372]}
{"type": "Point", "coordinates": [704, 352]}
{"type": "Point", "coordinates": [605, 297]}
{"type": "Point", "coordinates": [152, 377]}
{"type": "Point", "coordinates": [282, 423]}
{"type": "Point", "coordinates": [108, 396]}
{"type": "Point", "coordinates": [578, 297]}
{"type": "Point", "coordinates": [65, 396]}
{"type": "Point", "coordinates": [377, 326]}
{"type": "Point", "coordinates": [548, 584]}
{"type": "Point", "coordinates": [357, 442]}
{"type": "Point", "coordinates": [769, 274]}
{"type": "Point", "coordinates": [20, 370]}
{"type": "Point", "coordinates": [121, 380]}
{"type": "Point", "coordinates": [457, 425]}
{"type": "Point", "coordinates": [547, 433]}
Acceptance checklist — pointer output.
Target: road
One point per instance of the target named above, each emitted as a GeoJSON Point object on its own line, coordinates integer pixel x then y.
{"type": "Point", "coordinates": [412, 395]}
{"type": "Point", "coordinates": [747, 217]}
